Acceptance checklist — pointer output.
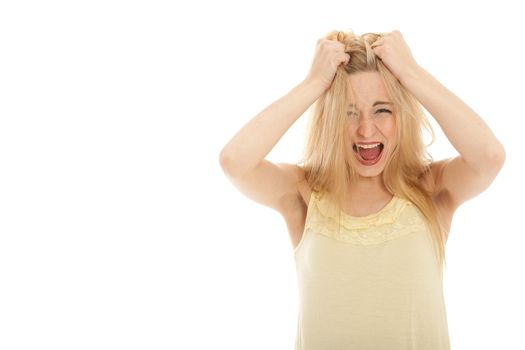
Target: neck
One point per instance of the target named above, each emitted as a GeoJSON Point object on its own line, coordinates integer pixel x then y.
{"type": "Point", "coordinates": [368, 187]}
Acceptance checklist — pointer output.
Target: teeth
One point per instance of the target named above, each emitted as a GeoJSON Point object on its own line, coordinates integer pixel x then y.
{"type": "Point", "coordinates": [368, 146]}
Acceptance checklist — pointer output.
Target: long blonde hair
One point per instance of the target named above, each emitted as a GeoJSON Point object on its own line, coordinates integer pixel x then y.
{"type": "Point", "coordinates": [326, 153]}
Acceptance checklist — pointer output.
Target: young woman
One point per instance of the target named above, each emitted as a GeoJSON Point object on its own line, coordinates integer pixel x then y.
{"type": "Point", "coordinates": [367, 210]}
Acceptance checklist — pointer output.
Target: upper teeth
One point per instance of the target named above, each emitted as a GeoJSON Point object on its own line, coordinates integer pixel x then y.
{"type": "Point", "coordinates": [369, 146]}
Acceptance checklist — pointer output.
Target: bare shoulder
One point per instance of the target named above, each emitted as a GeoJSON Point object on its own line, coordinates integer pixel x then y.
{"type": "Point", "coordinates": [431, 180]}
{"type": "Point", "coordinates": [303, 186]}
{"type": "Point", "coordinates": [296, 208]}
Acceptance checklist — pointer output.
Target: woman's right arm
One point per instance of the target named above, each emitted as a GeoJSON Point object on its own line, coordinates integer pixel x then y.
{"type": "Point", "coordinates": [243, 157]}
{"type": "Point", "coordinates": [257, 138]}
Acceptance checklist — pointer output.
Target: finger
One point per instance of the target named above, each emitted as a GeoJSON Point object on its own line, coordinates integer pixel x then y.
{"type": "Point", "coordinates": [378, 42]}
{"type": "Point", "coordinates": [341, 59]}
{"type": "Point", "coordinates": [378, 51]}
{"type": "Point", "coordinates": [332, 42]}
{"type": "Point", "coordinates": [375, 44]}
{"type": "Point", "coordinates": [346, 58]}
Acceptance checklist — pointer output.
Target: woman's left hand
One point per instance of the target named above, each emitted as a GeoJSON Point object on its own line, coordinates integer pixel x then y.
{"type": "Point", "coordinates": [392, 49]}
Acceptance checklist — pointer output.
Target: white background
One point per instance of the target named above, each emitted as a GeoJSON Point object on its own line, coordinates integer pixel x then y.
{"type": "Point", "coordinates": [118, 229]}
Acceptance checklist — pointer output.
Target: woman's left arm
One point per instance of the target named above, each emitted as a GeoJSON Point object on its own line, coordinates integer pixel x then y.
{"type": "Point", "coordinates": [481, 155]}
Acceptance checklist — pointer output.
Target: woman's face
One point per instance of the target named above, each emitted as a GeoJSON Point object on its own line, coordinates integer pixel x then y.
{"type": "Point", "coordinates": [371, 124]}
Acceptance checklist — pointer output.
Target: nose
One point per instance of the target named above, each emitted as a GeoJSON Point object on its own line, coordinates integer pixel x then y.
{"type": "Point", "coordinates": [366, 127]}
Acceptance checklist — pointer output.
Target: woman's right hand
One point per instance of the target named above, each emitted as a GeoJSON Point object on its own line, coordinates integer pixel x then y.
{"type": "Point", "coordinates": [329, 54]}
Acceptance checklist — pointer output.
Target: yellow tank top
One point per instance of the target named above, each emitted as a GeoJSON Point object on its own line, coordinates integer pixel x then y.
{"type": "Point", "coordinates": [374, 283]}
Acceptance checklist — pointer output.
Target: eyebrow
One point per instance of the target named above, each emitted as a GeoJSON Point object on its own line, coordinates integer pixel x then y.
{"type": "Point", "coordinates": [375, 103]}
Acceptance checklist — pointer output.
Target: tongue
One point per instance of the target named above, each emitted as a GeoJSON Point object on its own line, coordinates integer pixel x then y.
{"type": "Point", "coordinates": [370, 153]}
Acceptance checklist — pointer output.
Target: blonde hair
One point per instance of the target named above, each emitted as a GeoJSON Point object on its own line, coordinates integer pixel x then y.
{"type": "Point", "coordinates": [326, 153]}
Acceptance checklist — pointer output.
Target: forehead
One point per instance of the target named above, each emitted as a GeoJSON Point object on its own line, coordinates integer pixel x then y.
{"type": "Point", "coordinates": [365, 88]}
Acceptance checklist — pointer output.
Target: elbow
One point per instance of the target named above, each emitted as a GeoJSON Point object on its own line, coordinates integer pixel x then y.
{"type": "Point", "coordinates": [496, 157]}
{"type": "Point", "coordinates": [228, 165]}
{"type": "Point", "coordinates": [500, 156]}
{"type": "Point", "coordinates": [224, 161]}
{"type": "Point", "coordinates": [489, 160]}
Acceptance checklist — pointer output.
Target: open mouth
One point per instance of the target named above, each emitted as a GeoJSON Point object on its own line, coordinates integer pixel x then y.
{"type": "Point", "coordinates": [369, 154]}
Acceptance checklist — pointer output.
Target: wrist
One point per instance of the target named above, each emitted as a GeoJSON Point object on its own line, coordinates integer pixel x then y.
{"type": "Point", "coordinates": [411, 74]}
{"type": "Point", "coordinates": [315, 84]}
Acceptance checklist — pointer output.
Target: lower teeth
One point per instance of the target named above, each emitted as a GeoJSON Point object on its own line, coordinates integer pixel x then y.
{"type": "Point", "coordinates": [372, 159]}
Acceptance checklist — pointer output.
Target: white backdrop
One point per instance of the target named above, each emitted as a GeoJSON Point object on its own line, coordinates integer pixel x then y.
{"type": "Point", "coordinates": [118, 229]}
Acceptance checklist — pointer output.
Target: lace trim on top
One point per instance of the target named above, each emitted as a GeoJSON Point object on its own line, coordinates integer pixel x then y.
{"type": "Point", "coordinates": [398, 218]}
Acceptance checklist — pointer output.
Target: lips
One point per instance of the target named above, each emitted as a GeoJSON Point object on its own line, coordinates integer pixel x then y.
{"type": "Point", "coordinates": [368, 145]}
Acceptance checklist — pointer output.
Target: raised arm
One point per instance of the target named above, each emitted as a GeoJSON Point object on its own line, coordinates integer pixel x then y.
{"type": "Point", "coordinates": [243, 157]}
{"type": "Point", "coordinates": [256, 139]}
{"type": "Point", "coordinates": [481, 155]}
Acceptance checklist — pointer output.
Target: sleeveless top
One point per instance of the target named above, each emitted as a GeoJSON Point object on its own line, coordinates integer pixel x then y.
{"type": "Point", "coordinates": [373, 283]}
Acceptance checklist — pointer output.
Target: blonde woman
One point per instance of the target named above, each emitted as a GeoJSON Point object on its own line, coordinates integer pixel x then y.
{"type": "Point", "coordinates": [367, 209]}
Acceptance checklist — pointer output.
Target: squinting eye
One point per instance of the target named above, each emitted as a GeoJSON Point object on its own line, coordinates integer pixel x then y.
{"type": "Point", "coordinates": [383, 110]}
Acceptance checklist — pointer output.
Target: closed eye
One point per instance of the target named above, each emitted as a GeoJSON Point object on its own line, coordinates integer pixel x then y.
{"type": "Point", "coordinates": [379, 111]}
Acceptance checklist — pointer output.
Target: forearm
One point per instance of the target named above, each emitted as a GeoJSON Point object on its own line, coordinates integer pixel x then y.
{"type": "Point", "coordinates": [465, 130]}
{"type": "Point", "coordinates": [255, 140]}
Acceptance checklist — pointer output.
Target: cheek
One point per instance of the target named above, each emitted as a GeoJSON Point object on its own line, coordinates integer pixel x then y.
{"type": "Point", "coordinates": [351, 131]}
{"type": "Point", "coordinates": [388, 128]}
